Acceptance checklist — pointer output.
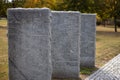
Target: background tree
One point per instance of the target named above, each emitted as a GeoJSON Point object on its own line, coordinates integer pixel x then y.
{"type": "Point", "coordinates": [76, 5]}
{"type": "Point", "coordinates": [114, 11]}
{"type": "Point", "coordinates": [40, 3]}
{"type": "Point", "coordinates": [18, 3]}
{"type": "Point", "coordinates": [105, 9]}
{"type": "Point", "coordinates": [101, 8]}
{"type": "Point", "coordinates": [4, 4]}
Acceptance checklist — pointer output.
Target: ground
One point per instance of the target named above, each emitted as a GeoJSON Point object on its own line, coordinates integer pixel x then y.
{"type": "Point", "coordinates": [107, 47]}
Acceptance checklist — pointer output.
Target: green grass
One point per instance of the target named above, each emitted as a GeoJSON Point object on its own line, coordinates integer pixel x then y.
{"type": "Point", "coordinates": [107, 47]}
{"type": "Point", "coordinates": [87, 71]}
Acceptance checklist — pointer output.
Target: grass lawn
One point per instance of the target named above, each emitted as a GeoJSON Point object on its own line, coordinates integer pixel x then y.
{"type": "Point", "coordinates": [3, 22]}
{"type": "Point", "coordinates": [3, 51]}
{"type": "Point", "coordinates": [107, 46]}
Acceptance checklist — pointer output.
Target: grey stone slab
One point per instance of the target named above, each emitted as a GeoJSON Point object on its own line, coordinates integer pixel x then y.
{"type": "Point", "coordinates": [88, 49]}
{"type": "Point", "coordinates": [66, 69]}
{"type": "Point", "coordinates": [29, 44]}
{"type": "Point", "coordinates": [65, 44]}
{"type": "Point", "coordinates": [88, 27]}
{"type": "Point", "coordinates": [110, 71]}
{"type": "Point", "coordinates": [88, 39]}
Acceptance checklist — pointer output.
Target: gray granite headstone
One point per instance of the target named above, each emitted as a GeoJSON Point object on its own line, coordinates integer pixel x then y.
{"type": "Point", "coordinates": [65, 44]}
{"type": "Point", "coordinates": [29, 44]}
{"type": "Point", "coordinates": [88, 34]}
{"type": "Point", "coordinates": [110, 71]}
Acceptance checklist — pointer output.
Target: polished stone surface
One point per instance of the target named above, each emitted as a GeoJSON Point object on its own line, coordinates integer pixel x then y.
{"type": "Point", "coordinates": [65, 44]}
{"type": "Point", "coordinates": [29, 44]}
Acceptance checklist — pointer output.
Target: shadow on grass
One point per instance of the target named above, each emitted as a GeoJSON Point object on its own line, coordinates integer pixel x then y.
{"type": "Point", "coordinates": [3, 27]}
{"type": "Point", "coordinates": [88, 71]}
{"type": "Point", "coordinates": [67, 79]}
{"type": "Point", "coordinates": [108, 33]}
{"type": "Point", "coordinates": [107, 26]}
{"type": "Point", "coordinates": [72, 78]}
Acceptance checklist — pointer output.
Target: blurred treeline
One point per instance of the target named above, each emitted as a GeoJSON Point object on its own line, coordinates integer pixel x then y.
{"type": "Point", "coordinates": [105, 9]}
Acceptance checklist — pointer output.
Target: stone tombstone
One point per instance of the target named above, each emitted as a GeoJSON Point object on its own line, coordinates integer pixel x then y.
{"type": "Point", "coordinates": [88, 39]}
{"type": "Point", "coordinates": [110, 71]}
{"type": "Point", "coordinates": [29, 44]}
{"type": "Point", "coordinates": [65, 52]}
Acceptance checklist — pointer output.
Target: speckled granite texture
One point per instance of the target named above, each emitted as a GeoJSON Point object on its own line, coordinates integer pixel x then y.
{"type": "Point", "coordinates": [110, 71]}
{"type": "Point", "coordinates": [65, 44]}
{"type": "Point", "coordinates": [88, 39]}
{"type": "Point", "coordinates": [29, 44]}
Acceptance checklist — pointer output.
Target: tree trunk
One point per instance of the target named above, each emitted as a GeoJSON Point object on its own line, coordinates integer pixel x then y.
{"type": "Point", "coordinates": [13, 3]}
{"type": "Point", "coordinates": [115, 24]}
{"type": "Point", "coordinates": [104, 23]}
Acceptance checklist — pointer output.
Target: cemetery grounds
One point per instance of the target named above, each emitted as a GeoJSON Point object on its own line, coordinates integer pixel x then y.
{"type": "Point", "coordinates": [107, 47]}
